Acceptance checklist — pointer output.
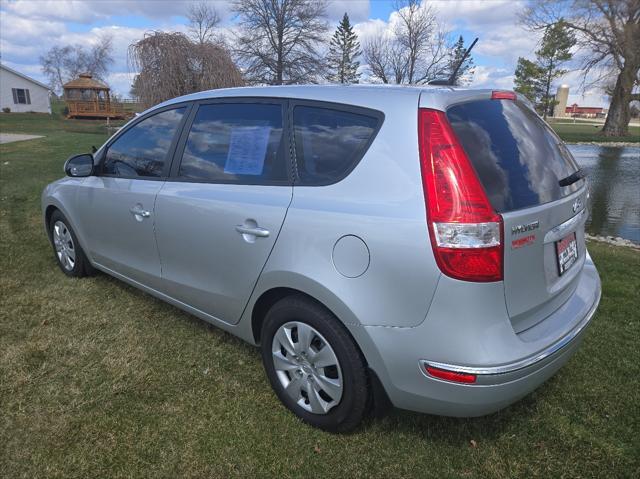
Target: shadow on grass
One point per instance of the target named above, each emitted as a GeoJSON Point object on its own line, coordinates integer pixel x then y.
{"type": "Point", "coordinates": [451, 431]}
{"type": "Point", "coordinates": [446, 431]}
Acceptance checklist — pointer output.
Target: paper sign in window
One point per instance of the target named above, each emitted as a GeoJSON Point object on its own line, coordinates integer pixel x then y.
{"type": "Point", "coordinates": [247, 150]}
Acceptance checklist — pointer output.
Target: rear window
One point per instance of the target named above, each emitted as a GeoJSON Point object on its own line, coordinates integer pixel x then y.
{"type": "Point", "coordinates": [329, 143]}
{"type": "Point", "coordinates": [519, 159]}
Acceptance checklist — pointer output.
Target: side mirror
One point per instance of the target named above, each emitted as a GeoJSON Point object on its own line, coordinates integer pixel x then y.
{"type": "Point", "coordinates": [79, 165]}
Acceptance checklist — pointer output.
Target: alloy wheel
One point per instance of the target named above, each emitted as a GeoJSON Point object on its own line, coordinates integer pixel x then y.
{"type": "Point", "coordinates": [63, 243]}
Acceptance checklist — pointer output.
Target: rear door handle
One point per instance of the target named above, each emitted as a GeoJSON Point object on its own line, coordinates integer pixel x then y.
{"type": "Point", "coordinates": [138, 211]}
{"type": "Point", "coordinates": [252, 230]}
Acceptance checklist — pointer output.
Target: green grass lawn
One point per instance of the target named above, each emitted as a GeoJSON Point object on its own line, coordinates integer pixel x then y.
{"type": "Point", "coordinates": [586, 132]}
{"type": "Point", "coordinates": [55, 124]}
{"type": "Point", "coordinates": [98, 379]}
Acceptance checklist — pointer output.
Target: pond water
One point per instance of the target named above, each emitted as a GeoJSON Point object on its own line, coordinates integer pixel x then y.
{"type": "Point", "coordinates": [614, 177]}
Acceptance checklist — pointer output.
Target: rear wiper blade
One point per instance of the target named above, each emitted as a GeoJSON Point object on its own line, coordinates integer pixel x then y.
{"type": "Point", "coordinates": [571, 179]}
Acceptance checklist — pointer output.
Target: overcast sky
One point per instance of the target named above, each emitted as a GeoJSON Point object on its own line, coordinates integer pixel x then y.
{"type": "Point", "coordinates": [28, 28]}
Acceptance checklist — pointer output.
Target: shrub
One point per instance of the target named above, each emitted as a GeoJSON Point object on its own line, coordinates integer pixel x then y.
{"type": "Point", "coordinates": [6, 109]}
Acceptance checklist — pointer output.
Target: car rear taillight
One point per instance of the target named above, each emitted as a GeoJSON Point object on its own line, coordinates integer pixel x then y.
{"type": "Point", "coordinates": [465, 231]}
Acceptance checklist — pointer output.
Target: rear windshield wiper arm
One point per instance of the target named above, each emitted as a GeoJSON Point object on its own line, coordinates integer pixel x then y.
{"type": "Point", "coordinates": [571, 179]}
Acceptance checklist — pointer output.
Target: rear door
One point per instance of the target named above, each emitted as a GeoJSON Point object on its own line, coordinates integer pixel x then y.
{"type": "Point", "coordinates": [218, 217]}
{"type": "Point", "coordinates": [532, 180]}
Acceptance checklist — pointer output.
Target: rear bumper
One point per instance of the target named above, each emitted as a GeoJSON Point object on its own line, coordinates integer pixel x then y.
{"type": "Point", "coordinates": [508, 365]}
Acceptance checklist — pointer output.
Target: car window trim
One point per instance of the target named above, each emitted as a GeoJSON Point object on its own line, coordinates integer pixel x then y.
{"type": "Point", "coordinates": [285, 150]}
{"type": "Point", "coordinates": [342, 107]}
{"type": "Point", "coordinates": [170, 152]}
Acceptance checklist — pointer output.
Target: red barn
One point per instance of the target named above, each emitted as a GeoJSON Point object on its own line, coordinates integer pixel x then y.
{"type": "Point", "coordinates": [586, 111]}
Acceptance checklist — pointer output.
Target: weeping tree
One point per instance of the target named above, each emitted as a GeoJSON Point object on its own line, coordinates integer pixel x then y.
{"type": "Point", "coordinates": [170, 65]}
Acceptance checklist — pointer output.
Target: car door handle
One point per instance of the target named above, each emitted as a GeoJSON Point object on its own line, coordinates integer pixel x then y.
{"type": "Point", "coordinates": [138, 211]}
{"type": "Point", "coordinates": [252, 230]}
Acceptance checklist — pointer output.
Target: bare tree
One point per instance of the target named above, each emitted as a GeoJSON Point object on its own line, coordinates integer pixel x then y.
{"type": "Point", "coordinates": [417, 33]}
{"type": "Point", "coordinates": [98, 59]}
{"type": "Point", "coordinates": [609, 30]}
{"type": "Point", "coordinates": [278, 39]}
{"type": "Point", "coordinates": [203, 20]}
{"type": "Point", "coordinates": [61, 64]}
{"type": "Point", "coordinates": [170, 65]}
{"type": "Point", "coordinates": [385, 59]}
{"type": "Point", "coordinates": [376, 54]}
{"type": "Point", "coordinates": [414, 52]}
{"type": "Point", "coordinates": [54, 66]}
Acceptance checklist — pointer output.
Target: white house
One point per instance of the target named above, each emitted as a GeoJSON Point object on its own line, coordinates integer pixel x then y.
{"type": "Point", "coordinates": [20, 93]}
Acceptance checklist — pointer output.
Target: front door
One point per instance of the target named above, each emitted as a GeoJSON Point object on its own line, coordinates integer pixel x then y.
{"type": "Point", "coordinates": [117, 207]}
{"type": "Point", "coordinates": [218, 216]}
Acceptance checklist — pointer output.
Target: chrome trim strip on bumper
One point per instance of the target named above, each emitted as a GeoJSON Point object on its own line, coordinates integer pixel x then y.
{"type": "Point", "coordinates": [524, 363]}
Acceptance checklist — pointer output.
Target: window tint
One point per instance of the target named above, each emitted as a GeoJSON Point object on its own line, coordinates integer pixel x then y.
{"type": "Point", "coordinates": [329, 142]}
{"type": "Point", "coordinates": [142, 149]}
{"type": "Point", "coordinates": [519, 160]}
{"type": "Point", "coordinates": [235, 143]}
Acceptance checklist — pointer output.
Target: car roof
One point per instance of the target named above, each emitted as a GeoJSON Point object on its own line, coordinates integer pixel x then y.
{"type": "Point", "coordinates": [433, 96]}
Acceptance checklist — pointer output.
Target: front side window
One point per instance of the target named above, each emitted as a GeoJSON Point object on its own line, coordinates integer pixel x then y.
{"type": "Point", "coordinates": [235, 143]}
{"type": "Point", "coordinates": [21, 96]}
{"type": "Point", "coordinates": [142, 150]}
{"type": "Point", "coordinates": [329, 142]}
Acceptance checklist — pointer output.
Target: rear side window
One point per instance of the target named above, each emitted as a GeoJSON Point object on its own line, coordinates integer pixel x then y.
{"type": "Point", "coordinates": [235, 143]}
{"type": "Point", "coordinates": [519, 160]}
{"type": "Point", "coordinates": [142, 150]}
{"type": "Point", "coordinates": [329, 143]}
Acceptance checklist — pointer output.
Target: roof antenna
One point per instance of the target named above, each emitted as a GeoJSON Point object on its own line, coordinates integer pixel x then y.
{"type": "Point", "coordinates": [449, 81]}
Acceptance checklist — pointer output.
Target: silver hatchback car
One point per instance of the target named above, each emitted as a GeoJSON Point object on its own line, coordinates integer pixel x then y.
{"type": "Point", "coordinates": [420, 247]}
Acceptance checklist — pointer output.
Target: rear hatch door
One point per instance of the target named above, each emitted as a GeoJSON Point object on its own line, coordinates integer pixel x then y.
{"type": "Point", "coordinates": [532, 180]}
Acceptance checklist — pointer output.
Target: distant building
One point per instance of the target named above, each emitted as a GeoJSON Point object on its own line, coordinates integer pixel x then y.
{"type": "Point", "coordinates": [585, 111]}
{"type": "Point", "coordinates": [20, 93]}
{"type": "Point", "coordinates": [562, 96]}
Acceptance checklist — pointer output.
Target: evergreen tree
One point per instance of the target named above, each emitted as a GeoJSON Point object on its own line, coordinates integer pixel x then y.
{"type": "Point", "coordinates": [554, 51]}
{"type": "Point", "coordinates": [466, 69]}
{"type": "Point", "coordinates": [534, 78]}
{"type": "Point", "coordinates": [529, 80]}
{"type": "Point", "coordinates": [344, 49]}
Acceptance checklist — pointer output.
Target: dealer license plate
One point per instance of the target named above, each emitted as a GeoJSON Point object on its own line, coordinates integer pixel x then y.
{"type": "Point", "coordinates": [567, 250]}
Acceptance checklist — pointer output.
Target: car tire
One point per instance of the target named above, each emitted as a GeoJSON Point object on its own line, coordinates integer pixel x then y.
{"type": "Point", "coordinates": [326, 388]}
{"type": "Point", "coordinates": [66, 248]}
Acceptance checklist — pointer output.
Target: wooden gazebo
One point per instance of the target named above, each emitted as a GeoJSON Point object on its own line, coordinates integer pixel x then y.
{"type": "Point", "coordinates": [88, 98]}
